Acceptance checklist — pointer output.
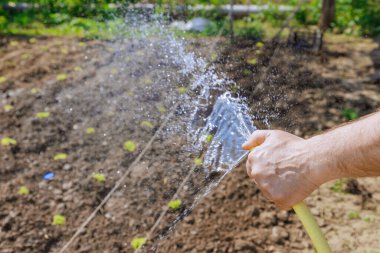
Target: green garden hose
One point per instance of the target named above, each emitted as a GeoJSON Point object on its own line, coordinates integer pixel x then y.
{"type": "Point", "coordinates": [313, 230]}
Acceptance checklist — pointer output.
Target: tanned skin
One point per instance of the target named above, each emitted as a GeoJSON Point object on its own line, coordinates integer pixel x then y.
{"type": "Point", "coordinates": [288, 168]}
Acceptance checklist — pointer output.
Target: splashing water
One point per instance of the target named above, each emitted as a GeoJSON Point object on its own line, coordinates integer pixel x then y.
{"type": "Point", "coordinates": [230, 125]}
{"type": "Point", "coordinates": [139, 83]}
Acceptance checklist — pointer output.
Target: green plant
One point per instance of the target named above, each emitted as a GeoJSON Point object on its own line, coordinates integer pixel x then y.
{"type": "Point", "coordinates": [198, 161]}
{"type": "Point", "coordinates": [350, 113]}
{"type": "Point", "coordinates": [3, 79]}
{"type": "Point", "coordinates": [138, 242]}
{"type": "Point", "coordinates": [339, 185]}
{"type": "Point", "coordinates": [90, 130]}
{"type": "Point", "coordinates": [252, 61]}
{"type": "Point", "coordinates": [6, 141]}
{"type": "Point", "coordinates": [129, 146]}
{"type": "Point", "coordinates": [8, 108]}
{"type": "Point", "coordinates": [147, 124]}
{"type": "Point", "coordinates": [42, 115]}
{"type": "Point", "coordinates": [353, 215]}
{"type": "Point", "coordinates": [23, 190]}
{"type": "Point", "coordinates": [182, 90]}
{"type": "Point", "coordinates": [209, 138]}
{"type": "Point", "coordinates": [59, 219]}
{"type": "Point", "coordinates": [61, 77]}
{"type": "Point", "coordinates": [99, 177]}
{"type": "Point", "coordinates": [60, 157]}
{"type": "Point", "coordinates": [175, 204]}
{"type": "Point", "coordinates": [34, 91]}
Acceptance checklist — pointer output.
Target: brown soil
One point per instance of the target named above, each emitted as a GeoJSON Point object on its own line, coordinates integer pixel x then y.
{"type": "Point", "coordinates": [304, 93]}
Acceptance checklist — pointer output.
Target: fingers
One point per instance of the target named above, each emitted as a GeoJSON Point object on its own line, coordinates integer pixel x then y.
{"type": "Point", "coordinates": [256, 139]}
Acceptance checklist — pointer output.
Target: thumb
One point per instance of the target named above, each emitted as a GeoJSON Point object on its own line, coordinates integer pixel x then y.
{"type": "Point", "coordinates": [256, 139]}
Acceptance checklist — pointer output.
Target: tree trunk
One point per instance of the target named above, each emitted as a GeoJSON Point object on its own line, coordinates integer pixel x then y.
{"type": "Point", "coordinates": [328, 14]}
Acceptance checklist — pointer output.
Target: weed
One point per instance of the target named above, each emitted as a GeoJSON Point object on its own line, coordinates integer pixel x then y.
{"type": "Point", "coordinates": [175, 204]}
{"type": "Point", "coordinates": [99, 177]}
{"type": "Point", "coordinates": [42, 115]}
{"type": "Point", "coordinates": [23, 190]}
{"type": "Point", "coordinates": [6, 141]}
{"type": "Point", "coordinates": [129, 146]}
{"type": "Point", "coordinates": [60, 157]}
{"type": "Point", "coordinates": [339, 185]}
{"type": "Point", "coordinates": [350, 113]}
{"type": "Point", "coordinates": [138, 242]}
{"type": "Point", "coordinates": [59, 219]}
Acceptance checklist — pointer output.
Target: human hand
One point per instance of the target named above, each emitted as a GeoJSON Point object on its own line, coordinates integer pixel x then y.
{"type": "Point", "coordinates": [283, 166]}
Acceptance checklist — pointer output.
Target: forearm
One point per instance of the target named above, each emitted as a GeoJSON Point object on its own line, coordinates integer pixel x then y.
{"type": "Point", "coordinates": [352, 150]}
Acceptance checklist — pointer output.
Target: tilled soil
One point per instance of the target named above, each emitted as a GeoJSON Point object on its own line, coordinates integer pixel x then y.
{"type": "Point", "coordinates": [115, 89]}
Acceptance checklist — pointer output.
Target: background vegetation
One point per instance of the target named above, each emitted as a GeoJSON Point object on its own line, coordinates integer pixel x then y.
{"type": "Point", "coordinates": [91, 18]}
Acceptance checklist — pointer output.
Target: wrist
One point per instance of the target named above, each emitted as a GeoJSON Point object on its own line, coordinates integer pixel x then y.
{"type": "Point", "coordinates": [323, 160]}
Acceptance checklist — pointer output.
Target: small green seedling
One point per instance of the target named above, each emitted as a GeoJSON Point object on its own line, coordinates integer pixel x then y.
{"type": "Point", "coordinates": [64, 50]}
{"type": "Point", "coordinates": [182, 90]}
{"type": "Point", "coordinates": [247, 72]}
{"type": "Point", "coordinates": [60, 157]}
{"type": "Point", "coordinates": [59, 219]}
{"type": "Point", "coordinates": [129, 146]}
{"type": "Point", "coordinates": [32, 40]}
{"type": "Point", "coordinates": [259, 44]}
{"type": "Point", "coordinates": [367, 219]}
{"type": "Point", "coordinates": [6, 141]}
{"type": "Point", "coordinates": [23, 190]}
{"type": "Point", "coordinates": [8, 108]}
{"type": "Point", "coordinates": [3, 79]}
{"type": "Point", "coordinates": [138, 242]}
{"type": "Point", "coordinates": [339, 185]}
{"type": "Point", "coordinates": [214, 56]}
{"type": "Point", "coordinates": [61, 77]}
{"type": "Point", "coordinates": [78, 69]}
{"type": "Point", "coordinates": [175, 204]}
{"type": "Point", "coordinates": [252, 61]}
{"type": "Point", "coordinates": [34, 91]}
{"type": "Point", "coordinates": [99, 177]}
{"type": "Point", "coordinates": [147, 124]}
{"type": "Point", "coordinates": [90, 130]}
{"type": "Point", "coordinates": [350, 114]}
{"type": "Point", "coordinates": [13, 43]}
{"type": "Point", "coordinates": [82, 44]}
{"type": "Point", "coordinates": [42, 115]}
{"type": "Point", "coordinates": [161, 109]}
{"type": "Point", "coordinates": [25, 56]}
{"type": "Point", "coordinates": [209, 138]}
{"type": "Point", "coordinates": [353, 215]}
{"type": "Point", "coordinates": [198, 161]}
